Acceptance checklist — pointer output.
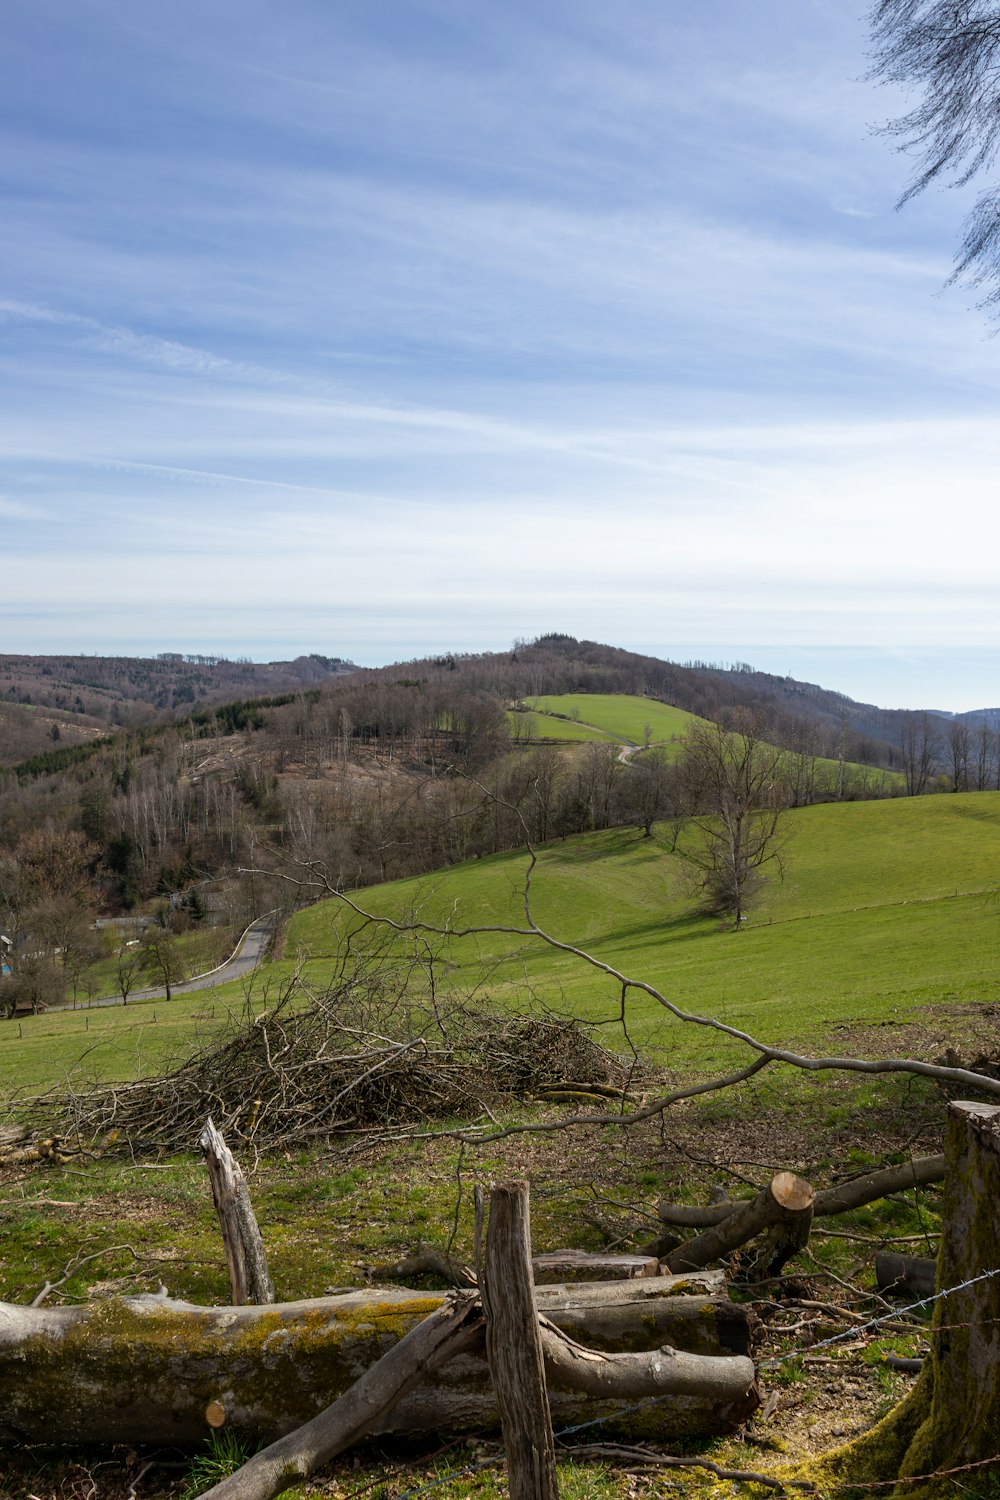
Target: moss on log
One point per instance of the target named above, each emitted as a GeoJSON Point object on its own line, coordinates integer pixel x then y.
{"type": "Point", "coordinates": [148, 1369]}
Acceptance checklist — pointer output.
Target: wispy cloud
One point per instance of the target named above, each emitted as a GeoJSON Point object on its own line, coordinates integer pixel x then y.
{"type": "Point", "coordinates": [374, 328]}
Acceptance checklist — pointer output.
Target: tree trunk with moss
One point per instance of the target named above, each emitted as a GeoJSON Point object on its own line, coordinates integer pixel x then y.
{"type": "Point", "coordinates": [147, 1369]}
{"type": "Point", "coordinates": [950, 1422]}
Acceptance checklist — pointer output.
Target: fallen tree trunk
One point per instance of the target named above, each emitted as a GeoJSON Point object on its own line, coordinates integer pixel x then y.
{"type": "Point", "coordinates": [787, 1200]}
{"type": "Point", "coordinates": [831, 1200]}
{"type": "Point", "coordinates": [147, 1369]}
{"type": "Point", "coordinates": [660, 1372]}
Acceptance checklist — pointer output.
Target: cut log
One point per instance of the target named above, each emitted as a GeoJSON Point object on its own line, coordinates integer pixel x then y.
{"type": "Point", "coordinates": [445, 1333]}
{"type": "Point", "coordinates": [514, 1343]}
{"type": "Point", "coordinates": [905, 1273]}
{"type": "Point", "coordinates": [248, 1274]}
{"type": "Point", "coordinates": [832, 1200]}
{"type": "Point", "coordinates": [556, 1267]}
{"type": "Point", "coordinates": [787, 1200]}
{"type": "Point", "coordinates": [553, 1268]}
{"type": "Point", "coordinates": [147, 1369]}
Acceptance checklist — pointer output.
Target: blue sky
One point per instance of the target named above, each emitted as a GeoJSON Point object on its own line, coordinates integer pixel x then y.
{"type": "Point", "coordinates": [380, 327]}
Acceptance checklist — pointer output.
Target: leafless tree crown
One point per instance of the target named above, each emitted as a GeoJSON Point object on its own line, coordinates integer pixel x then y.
{"type": "Point", "coordinates": [950, 52]}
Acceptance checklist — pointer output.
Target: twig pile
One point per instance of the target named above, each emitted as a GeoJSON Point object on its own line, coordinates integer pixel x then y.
{"type": "Point", "coordinates": [364, 1056]}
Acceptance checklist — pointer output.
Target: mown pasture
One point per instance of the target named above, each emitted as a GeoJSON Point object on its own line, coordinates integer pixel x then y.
{"type": "Point", "coordinates": [884, 907]}
{"type": "Point", "coordinates": [624, 716]}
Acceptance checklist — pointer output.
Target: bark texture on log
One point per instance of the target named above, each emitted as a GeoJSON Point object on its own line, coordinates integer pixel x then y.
{"type": "Point", "coordinates": [556, 1267]}
{"type": "Point", "coordinates": [787, 1200]}
{"type": "Point", "coordinates": [249, 1279]}
{"type": "Point", "coordinates": [514, 1346]}
{"type": "Point", "coordinates": [661, 1372]}
{"type": "Point", "coordinates": [951, 1418]}
{"type": "Point", "coordinates": [441, 1335]}
{"type": "Point", "coordinates": [147, 1369]}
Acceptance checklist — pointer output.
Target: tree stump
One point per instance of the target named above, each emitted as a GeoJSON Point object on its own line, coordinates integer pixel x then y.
{"type": "Point", "coordinates": [951, 1419]}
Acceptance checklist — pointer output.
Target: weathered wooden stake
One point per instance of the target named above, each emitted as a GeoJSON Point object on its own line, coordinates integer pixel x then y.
{"type": "Point", "coordinates": [249, 1280]}
{"type": "Point", "coordinates": [514, 1344]}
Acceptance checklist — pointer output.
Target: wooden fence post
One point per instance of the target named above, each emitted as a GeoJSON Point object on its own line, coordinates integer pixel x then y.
{"type": "Point", "coordinates": [514, 1344]}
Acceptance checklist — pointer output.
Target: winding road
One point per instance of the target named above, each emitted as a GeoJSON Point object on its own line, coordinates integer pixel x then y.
{"type": "Point", "coordinates": [245, 957]}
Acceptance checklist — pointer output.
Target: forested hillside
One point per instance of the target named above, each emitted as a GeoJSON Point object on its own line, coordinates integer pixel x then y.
{"type": "Point", "coordinates": [122, 690]}
{"type": "Point", "coordinates": [382, 774]}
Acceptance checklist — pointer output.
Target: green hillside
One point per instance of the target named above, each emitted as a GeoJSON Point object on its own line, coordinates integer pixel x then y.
{"type": "Point", "coordinates": [629, 719]}
{"type": "Point", "coordinates": [886, 906]}
{"type": "Point", "coordinates": [533, 725]}
{"type": "Point", "coordinates": [620, 715]}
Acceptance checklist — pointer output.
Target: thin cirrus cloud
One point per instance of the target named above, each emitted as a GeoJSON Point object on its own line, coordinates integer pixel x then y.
{"type": "Point", "coordinates": [377, 329]}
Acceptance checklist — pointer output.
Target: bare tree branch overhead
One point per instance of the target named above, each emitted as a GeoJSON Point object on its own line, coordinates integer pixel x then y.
{"type": "Point", "coordinates": [950, 53]}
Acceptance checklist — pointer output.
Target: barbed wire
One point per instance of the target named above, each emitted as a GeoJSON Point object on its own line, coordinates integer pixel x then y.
{"type": "Point", "coordinates": [897, 1312]}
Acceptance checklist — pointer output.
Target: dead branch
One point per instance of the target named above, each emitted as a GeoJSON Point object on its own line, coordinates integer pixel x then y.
{"type": "Point", "coordinates": [364, 1054]}
{"type": "Point", "coordinates": [424, 1261]}
{"type": "Point", "coordinates": [311, 876]}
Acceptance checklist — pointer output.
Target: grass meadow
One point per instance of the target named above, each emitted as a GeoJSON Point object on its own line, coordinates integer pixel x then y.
{"type": "Point", "coordinates": [623, 716]}
{"type": "Point", "coordinates": [884, 907]}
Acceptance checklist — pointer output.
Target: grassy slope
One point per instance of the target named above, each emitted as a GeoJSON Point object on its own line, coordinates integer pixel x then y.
{"type": "Point", "coordinates": [624, 717]}
{"type": "Point", "coordinates": [621, 715]}
{"type": "Point", "coordinates": [885, 905]}
{"type": "Point", "coordinates": [540, 726]}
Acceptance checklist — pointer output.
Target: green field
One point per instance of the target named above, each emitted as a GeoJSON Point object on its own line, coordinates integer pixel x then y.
{"type": "Point", "coordinates": [532, 725]}
{"type": "Point", "coordinates": [885, 906]}
{"type": "Point", "coordinates": [620, 715]}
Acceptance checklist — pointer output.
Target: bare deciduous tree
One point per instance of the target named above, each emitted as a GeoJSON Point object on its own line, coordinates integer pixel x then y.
{"type": "Point", "coordinates": [734, 794]}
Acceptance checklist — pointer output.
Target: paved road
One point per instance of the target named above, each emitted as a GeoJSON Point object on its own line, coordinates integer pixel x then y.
{"type": "Point", "coordinates": [248, 954]}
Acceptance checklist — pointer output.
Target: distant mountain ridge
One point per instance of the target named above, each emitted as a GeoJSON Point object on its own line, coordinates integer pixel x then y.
{"type": "Point", "coordinates": [71, 698]}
